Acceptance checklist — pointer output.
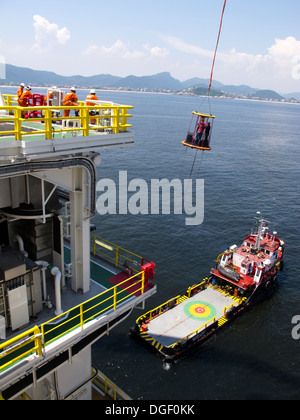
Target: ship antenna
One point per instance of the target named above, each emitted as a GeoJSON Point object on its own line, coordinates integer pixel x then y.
{"type": "Point", "coordinates": [260, 227]}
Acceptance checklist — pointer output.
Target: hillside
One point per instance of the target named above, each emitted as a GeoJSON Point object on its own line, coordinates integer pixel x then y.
{"type": "Point", "coordinates": [267, 95]}
{"type": "Point", "coordinates": [158, 82]}
{"type": "Point", "coordinates": [16, 75]}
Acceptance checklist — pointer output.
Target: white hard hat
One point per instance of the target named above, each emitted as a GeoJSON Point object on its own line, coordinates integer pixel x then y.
{"type": "Point", "coordinates": [22, 84]}
{"type": "Point", "coordinates": [28, 87]}
{"type": "Point", "coordinates": [73, 89]}
{"type": "Point", "coordinates": [92, 91]}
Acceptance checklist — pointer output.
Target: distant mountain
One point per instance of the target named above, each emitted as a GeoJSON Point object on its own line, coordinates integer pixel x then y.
{"type": "Point", "coordinates": [202, 91]}
{"type": "Point", "coordinates": [239, 90]}
{"type": "Point", "coordinates": [267, 94]}
{"type": "Point", "coordinates": [16, 75]}
{"type": "Point", "coordinates": [158, 82]}
{"type": "Point", "coordinates": [197, 82]}
{"type": "Point", "coordinates": [295, 95]}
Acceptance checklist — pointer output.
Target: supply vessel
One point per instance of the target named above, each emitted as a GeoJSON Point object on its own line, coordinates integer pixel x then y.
{"type": "Point", "coordinates": [243, 276]}
{"type": "Point", "coordinates": [62, 287]}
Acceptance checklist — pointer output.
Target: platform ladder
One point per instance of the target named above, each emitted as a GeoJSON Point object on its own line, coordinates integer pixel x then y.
{"type": "Point", "coordinates": [2, 313]}
{"type": "Point", "coordinates": [65, 217]}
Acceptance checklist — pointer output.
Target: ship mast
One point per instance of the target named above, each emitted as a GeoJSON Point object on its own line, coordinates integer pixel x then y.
{"type": "Point", "coordinates": [261, 229]}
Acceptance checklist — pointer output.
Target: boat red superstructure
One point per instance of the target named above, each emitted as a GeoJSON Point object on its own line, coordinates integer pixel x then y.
{"type": "Point", "coordinates": [253, 263]}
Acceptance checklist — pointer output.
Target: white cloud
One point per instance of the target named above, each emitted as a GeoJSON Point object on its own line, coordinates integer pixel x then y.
{"type": "Point", "coordinates": [47, 34]}
{"type": "Point", "coordinates": [285, 48]}
{"type": "Point", "coordinates": [280, 63]}
{"type": "Point", "coordinates": [92, 49]}
{"type": "Point", "coordinates": [122, 50]}
{"type": "Point", "coordinates": [180, 45]}
{"type": "Point", "coordinates": [156, 51]}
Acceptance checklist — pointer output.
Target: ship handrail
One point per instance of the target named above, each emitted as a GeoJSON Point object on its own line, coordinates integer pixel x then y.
{"type": "Point", "coordinates": [117, 119]}
{"type": "Point", "coordinates": [77, 317]}
{"type": "Point", "coordinates": [106, 386]}
{"type": "Point", "coordinates": [177, 299]}
{"type": "Point", "coordinates": [204, 326]}
{"type": "Point", "coordinates": [192, 334]}
{"type": "Point", "coordinates": [115, 254]}
{"type": "Point", "coordinates": [157, 311]}
{"type": "Point", "coordinates": [22, 340]}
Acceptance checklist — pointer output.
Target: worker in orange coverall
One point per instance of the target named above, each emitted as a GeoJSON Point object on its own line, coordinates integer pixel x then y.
{"type": "Point", "coordinates": [26, 95]}
{"type": "Point", "coordinates": [20, 91]}
{"type": "Point", "coordinates": [92, 96]}
{"type": "Point", "coordinates": [24, 98]}
{"type": "Point", "coordinates": [70, 100]}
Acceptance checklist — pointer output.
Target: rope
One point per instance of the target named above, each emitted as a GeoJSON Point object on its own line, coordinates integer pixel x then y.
{"type": "Point", "coordinates": [190, 177]}
{"type": "Point", "coordinates": [213, 65]}
{"type": "Point", "coordinates": [200, 163]}
{"type": "Point", "coordinates": [209, 87]}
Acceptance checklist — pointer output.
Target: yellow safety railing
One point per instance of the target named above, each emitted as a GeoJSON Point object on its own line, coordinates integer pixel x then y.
{"type": "Point", "coordinates": [170, 303]}
{"type": "Point", "coordinates": [75, 318]}
{"type": "Point", "coordinates": [112, 117]}
{"type": "Point", "coordinates": [9, 100]}
{"type": "Point", "coordinates": [23, 340]}
{"type": "Point", "coordinates": [107, 387]}
{"type": "Point", "coordinates": [159, 310]}
{"type": "Point", "coordinates": [115, 254]}
{"type": "Point", "coordinates": [182, 340]}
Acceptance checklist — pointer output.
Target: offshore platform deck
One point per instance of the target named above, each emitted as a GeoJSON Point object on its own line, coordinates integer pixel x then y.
{"type": "Point", "coordinates": [62, 287]}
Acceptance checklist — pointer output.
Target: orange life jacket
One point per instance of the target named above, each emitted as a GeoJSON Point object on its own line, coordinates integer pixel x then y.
{"type": "Point", "coordinates": [23, 100]}
{"type": "Point", "coordinates": [91, 97]}
{"type": "Point", "coordinates": [70, 99]}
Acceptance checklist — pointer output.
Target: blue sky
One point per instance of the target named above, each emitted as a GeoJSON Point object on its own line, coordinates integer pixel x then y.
{"type": "Point", "coordinates": [259, 45]}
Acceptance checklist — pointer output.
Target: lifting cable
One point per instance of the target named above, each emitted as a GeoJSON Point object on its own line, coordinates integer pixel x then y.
{"type": "Point", "coordinates": [213, 64]}
{"type": "Point", "coordinates": [211, 75]}
{"type": "Point", "coordinates": [190, 178]}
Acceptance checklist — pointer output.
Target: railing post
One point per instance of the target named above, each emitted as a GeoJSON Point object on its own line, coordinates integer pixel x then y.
{"type": "Point", "coordinates": [48, 124]}
{"type": "Point", "coordinates": [43, 336]}
{"type": "Point", "coordinates": [18, 123]}
{"type": "Point", "coordinates": [81, 317]}
{"type": "Point", "coordinates": [123, 119]}
{"type": "Point", "coordinates": [84, 116]}
{"type": "Point", "coordinates": [38, 341]}
{"type": "Point", "coordinates": [116, 123]}
{"type": "Point", "coordinates": [143, 282]}
{"type": "Point", "coordinates": [117, 256]}
{"type": "Point", "coordinates": [9, 103]}
{"type": "Point", "coordinates": [115, 298]}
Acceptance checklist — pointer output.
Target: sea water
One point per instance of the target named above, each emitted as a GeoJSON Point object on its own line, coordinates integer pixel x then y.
{"type": "Point", "coordinates": [254, 165]}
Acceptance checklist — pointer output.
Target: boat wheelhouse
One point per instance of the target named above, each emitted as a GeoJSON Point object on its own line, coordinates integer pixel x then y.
{"type": "Point", "coordinates": [252, 264]}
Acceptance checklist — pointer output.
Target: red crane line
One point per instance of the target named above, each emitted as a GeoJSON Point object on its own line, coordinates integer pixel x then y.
{"type": "Point", "coordinates": [213, 64]}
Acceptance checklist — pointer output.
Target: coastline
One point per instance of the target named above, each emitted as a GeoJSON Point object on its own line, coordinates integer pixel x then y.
{"type": "Point", "coordinates": [160, 93]}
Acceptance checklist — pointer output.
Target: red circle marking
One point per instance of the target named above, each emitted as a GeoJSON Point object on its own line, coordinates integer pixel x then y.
{"type": "Point", "coordinates": [200, 310]}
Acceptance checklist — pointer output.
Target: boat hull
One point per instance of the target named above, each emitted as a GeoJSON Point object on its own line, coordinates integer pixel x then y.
{"type": "Point", "coordinates": [185, 347]}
